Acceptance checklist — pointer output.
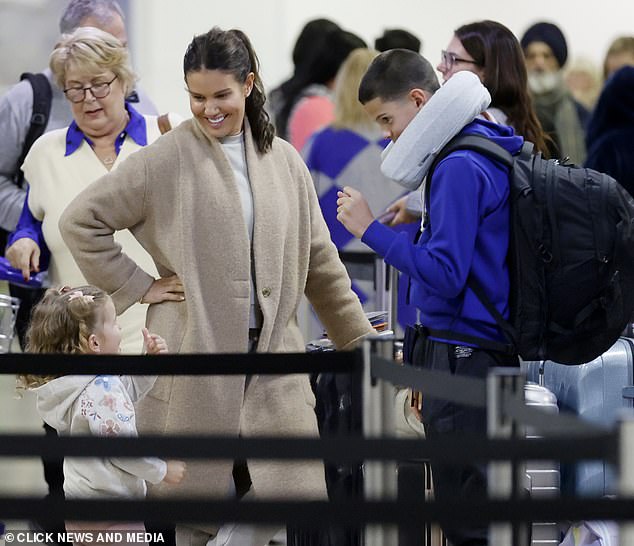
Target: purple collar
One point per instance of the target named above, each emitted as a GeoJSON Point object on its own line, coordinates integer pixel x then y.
{"type": "Point", "coordinates": [135, 129]}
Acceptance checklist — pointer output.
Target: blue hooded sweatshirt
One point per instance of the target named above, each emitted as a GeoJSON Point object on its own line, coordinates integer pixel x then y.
{"type": "Point", "coordinates": [469, 236]}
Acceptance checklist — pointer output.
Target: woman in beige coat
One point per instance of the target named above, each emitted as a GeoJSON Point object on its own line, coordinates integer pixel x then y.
{"type": "Point", "coordinates": [231, 210]}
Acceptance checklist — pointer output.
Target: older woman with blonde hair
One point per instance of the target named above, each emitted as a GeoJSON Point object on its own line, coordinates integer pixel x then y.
{"type": "Point", "coordinates": [93, 69]}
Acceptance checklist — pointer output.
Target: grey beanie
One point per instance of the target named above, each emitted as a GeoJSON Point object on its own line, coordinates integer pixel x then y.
{"type": "Point", "coordinates": [549, 34]}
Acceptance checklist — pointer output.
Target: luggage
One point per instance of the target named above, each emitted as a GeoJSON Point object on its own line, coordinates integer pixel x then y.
{"type": "Point", "coordinates": [592, 533]}
{"type": "Point", "coordinates": [571, 255]}
{"type": "Point", "coordinates": [543, 478]}
{"type": "Point", "coordinates": [337, 406]}
{"type": "Point", "coordinates": [596, 391]}
{"type": "Point", "coordinates": [8, 312]}
{"type": "Point", "coordinates": [419, 475]}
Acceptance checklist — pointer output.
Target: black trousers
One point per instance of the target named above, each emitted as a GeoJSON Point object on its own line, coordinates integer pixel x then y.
{"type": "Point", "coordinates": [444, 417]}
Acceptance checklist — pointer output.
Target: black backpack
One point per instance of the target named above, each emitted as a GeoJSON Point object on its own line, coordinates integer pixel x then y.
{"type": "Point", "coordinates": [42, 98]}
{"type": "Point", "coordinates": [571, 256]}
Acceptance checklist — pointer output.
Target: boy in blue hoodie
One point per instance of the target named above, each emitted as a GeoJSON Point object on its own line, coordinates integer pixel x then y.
{"type": "Point", "coordinates": [467, 237]}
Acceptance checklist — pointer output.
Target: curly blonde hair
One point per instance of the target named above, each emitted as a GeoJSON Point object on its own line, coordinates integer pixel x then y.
{"type": "Point", "coordinates": [92, 51]}
{"type": "Point", "coordinates": [62, 323]}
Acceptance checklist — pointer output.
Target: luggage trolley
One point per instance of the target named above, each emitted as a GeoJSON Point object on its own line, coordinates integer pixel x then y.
{"type": "Point", "coordinates": [8, 313]}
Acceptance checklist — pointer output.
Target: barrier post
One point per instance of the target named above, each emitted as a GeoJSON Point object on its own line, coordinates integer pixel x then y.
{"type": "Point", "coordinates": [626, 474]}
{"type": "Point", "coordinates": [505, 479]}
{"type": "Point", "coordinates": [379, 477]}
{"type": "Point", "coordinates": [393, 312]}
{"type": "Point", "coordinates": [381, 293]}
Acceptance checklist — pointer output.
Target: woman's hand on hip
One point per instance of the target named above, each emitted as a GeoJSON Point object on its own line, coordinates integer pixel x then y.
{"type": "Point", "coordinates": [165, 289]}
{"type": "Point", "coordinates": [24, 254]}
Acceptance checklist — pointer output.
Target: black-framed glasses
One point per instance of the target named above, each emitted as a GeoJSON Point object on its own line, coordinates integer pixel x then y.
{"type": "Point", "coordinates": [99, 90]}
{"type": "Point", "coordinates": [449, 59]}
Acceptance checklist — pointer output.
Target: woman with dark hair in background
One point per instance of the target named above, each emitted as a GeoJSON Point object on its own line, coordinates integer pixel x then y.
{"type": "Point", "coordinates": [232, 212]}
{"type": "Point", "coordinates": [308, 104]}
{"type": "Point", "coordinates": [308, 40]}
{"type": "Point", "coordinates": [492, 51]}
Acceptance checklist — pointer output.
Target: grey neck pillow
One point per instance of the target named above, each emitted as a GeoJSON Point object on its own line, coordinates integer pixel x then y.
{"type": "Point", "coordinates": [458, 102]}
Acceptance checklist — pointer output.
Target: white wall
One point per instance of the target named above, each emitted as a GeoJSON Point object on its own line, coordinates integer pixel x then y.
{"type": "Point", "coordinates": [161, 29]}
{"type": "Point", "coordinates": [21, 50]}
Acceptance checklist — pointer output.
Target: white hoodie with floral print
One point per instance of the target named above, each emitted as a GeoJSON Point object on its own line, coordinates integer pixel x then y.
{"type": "Point", "coordinates": [103, 405]}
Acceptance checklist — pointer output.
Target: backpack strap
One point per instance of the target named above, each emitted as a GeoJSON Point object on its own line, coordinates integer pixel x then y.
{"type": "Point", "coordinates": [484, 146]}
{"type": "Point", "coordinates": [475, 143]}
{"type": "Point", "coordinates": [164, 123]}
{"type": "Point", "coordinates": [42, 99]}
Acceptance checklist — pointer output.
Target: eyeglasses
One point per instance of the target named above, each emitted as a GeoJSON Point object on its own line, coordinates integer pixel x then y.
{"type": "Point", "coordinates": [449, 59]}
{"type": "Point", "coordinates": [99, 91]}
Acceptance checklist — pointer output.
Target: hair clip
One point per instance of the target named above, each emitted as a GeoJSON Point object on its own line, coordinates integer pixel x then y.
{"type": "Point", "coordinates": [79, 294]}
{"type": "Point", "coordinates": [63, 289]}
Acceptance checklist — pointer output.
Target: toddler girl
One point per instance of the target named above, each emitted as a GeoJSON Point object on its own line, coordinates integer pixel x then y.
{"type": "Point", "coordinates": [83, 321]}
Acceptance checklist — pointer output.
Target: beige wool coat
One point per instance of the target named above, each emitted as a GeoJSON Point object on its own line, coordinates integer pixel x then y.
{"type": "Point", "coordinates": [180, 200]}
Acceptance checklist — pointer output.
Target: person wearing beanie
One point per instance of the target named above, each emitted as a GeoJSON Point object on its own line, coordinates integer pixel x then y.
{"type": "Point", "coordinates": [552, 37]}
{"type": "Point", "coordinates": [562, 117]}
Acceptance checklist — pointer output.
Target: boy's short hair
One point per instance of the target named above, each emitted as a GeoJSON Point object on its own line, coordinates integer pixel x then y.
{"type": "Point", "coordinates": [395, 73]}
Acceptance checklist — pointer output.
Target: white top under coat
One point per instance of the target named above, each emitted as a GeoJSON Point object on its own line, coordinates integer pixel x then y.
{"type": "Point", "coordinates": [233, 146]}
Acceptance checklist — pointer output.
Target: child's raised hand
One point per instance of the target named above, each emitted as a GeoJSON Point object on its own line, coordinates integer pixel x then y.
{"type": "Point", "coordinates": [175, 472]}
{"type": "Point", "coordinates": [154, 344]}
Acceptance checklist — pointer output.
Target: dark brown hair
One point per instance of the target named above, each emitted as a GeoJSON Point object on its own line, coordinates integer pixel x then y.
{"type": "Point", "coordinates": [231, 51]}
{"type": "Point", "coordinates": [496, 49]}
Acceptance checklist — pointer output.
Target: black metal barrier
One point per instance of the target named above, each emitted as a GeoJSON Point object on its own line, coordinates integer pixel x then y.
{"type": "Point", "coordinates": [472, 392]}
{"type": "Point", "coordinates": [336, 448]}
{"type": "Point", "coordinates": [582, 442]}
{"type": "Point", "coordinates": [408, 511]}
{"type": "Point", "coordinates": [183, 364]}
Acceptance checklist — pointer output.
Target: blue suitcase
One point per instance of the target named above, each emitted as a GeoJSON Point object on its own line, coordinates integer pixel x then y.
{"type": "Point", "coordinates": [597, 391]}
